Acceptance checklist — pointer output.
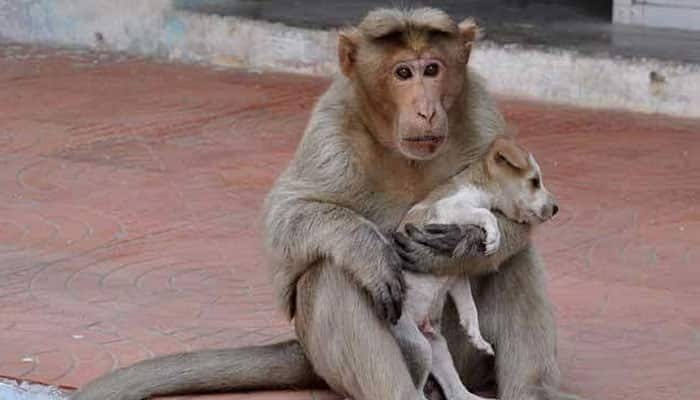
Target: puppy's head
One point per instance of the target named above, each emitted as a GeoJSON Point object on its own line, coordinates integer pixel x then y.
{"type": "Point", "coordinates": [517, 183]}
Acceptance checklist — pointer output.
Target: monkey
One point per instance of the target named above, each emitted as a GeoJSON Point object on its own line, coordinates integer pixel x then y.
{"type": "Point", "coordinates": [404, 114]}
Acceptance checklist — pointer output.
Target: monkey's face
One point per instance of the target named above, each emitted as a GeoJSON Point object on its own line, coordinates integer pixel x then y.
{"type": "Point", "coordinates": [408, 78]}
{"type": "Point", "coordinates": [413, 91]}
{"type": "Point", "coordinates": [517, 179]}
{"type": "Point", "coordinates": [422, 93]}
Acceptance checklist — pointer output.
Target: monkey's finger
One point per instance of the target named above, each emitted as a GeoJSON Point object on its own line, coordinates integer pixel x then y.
{"type": "Point", "coordinates": [380, 307]}
{"type": "Point", "coordinates": [467, 248]}
{"type": "Point", "coordinates": [397, 297]}
{"type": "Point", "coordinates": [416, 234]}
{"type": "Point", "coordinates": [398, 305]}
{"type": "Point", "coordinates": [473, 242]}
{"type": "Point", "coordinates": [407, 259]}
{"type": "Point", "coordinates": [449, 233]}
{"type": "Point", "coordinates": [402, 285]}
{"type": "Point", "coordinates": [449, 239]}
{"type": "Point", "coordinates": [442, 229]}
{"type": "Point", "coordinates": [402, 241]}
{"type": "Point", "coordinates": [390, 307]}
{"type": "Point", "coordinates": [436, 243]}
{"type": "Point", "coordinates": [403, 248]}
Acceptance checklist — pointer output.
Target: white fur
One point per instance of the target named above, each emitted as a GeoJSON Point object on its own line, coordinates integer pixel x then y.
{"type": "Point", "coordinates": [469, 204]}
{"type": "Point", "coordinates": [426, 293]}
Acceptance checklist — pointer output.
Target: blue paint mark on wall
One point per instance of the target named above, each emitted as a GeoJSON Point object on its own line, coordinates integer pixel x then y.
{"type": "Point", "coordinates": [174, 30]}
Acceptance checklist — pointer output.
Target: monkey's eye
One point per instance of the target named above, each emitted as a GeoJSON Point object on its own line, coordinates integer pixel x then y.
{"type": "Point", "coordinates": [403, 73]}
{"type": "Point", "coordinates": [535, 183]}
{"type": "Point", "coordinates": [431, 70]}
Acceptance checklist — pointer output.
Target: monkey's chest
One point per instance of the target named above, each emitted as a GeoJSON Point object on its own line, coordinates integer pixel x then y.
{"type": "Point", "coordinates": [393, 194]}
{"type": "Point", "coordinates": [387, 208]}
{"type": "Point", "coordinates": [425, 296]}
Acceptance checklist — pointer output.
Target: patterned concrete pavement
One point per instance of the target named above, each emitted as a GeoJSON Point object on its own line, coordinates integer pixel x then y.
{"type": "Point", "coordinates": [129, 201]}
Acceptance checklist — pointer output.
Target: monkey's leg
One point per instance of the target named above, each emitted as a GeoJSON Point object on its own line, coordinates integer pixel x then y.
{"type": "Point", "coordinates": [445, 372]}
{"type": "Point", "coordinates": [516, 316]}
{"type": "Point", "coordinates": [415, 348]}
{"type": "Point", "coordinates": [347, 344]}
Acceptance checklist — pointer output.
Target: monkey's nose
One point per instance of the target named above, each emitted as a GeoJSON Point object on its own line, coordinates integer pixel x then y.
{"type": "Point", "coordinates": [427, 115]}
{"type": "Point", "coordinates": [555, 210]}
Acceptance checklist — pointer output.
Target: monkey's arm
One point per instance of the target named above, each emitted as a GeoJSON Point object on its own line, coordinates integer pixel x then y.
{"type": "Point", "coordinates": [300, 232]}
{"type": "Point", "coordinates": [431, 248]}
{"type": "Point", "coordinates": [440, 247]}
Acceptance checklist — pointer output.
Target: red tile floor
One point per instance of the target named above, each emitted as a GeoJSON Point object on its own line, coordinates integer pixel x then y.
{"type": "Point", "coordinates": [129, 201]}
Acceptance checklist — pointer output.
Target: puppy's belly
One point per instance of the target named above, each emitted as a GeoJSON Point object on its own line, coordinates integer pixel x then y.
{"type": "Point", "coordinates": [425, 296]}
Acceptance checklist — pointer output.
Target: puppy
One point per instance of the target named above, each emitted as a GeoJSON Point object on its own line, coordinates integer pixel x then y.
{"type": "Point", "coordinates": [507, 179]}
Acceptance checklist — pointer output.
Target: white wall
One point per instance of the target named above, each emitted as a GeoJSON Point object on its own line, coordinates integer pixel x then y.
{"type": "Point", "coordinates": [680, 14]}
{"type": "Point", "coordinates": [153, 27]}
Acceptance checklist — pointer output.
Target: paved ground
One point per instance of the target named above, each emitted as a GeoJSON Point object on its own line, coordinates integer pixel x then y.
{"type": "Point", "coordinates": [129, 200]}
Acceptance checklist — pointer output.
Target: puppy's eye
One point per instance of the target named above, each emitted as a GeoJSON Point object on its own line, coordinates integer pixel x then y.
{"type": "Point", "coordinates": [403, 73]}
{"type": "Point", "coordinates": [431, 70]}
{"type": "Point", "coordinates": [535, 183]}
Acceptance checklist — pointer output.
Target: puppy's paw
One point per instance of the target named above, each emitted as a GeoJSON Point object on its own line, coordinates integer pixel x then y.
{"type": "Point", "coordinates": [482, 345]}
{"type": "Point", "coordinates": [475, 338]}
{"type": "Point", "coordinates": [492, 240]}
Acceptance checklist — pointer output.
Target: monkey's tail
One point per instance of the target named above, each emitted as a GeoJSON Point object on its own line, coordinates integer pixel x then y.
{"type": "Point", "coordinates": [277, 366]}
{"type": "Point", "coordinates": [550, 392]}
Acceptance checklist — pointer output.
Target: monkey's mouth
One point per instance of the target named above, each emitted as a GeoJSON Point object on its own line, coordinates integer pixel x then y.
{"type": "Point", "coordinates": [425, 139]}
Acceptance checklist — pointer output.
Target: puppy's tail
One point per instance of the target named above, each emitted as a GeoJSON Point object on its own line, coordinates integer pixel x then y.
{"type": "Point", "coordinates": [277, 366]}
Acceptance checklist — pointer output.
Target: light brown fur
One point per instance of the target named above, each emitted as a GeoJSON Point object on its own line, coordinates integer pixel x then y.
{"type": "Point", "coordinates": [354, 175]}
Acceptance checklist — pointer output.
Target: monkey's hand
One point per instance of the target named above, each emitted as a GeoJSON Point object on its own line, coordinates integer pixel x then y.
{"type": "Point", "coordinates": [451, 240]}
{"type": "Point", "coordinates": [467, 243]}
{"type": "Point", "coordinates": [386, 285]}
{"type": "Point", "coordinates": [434, 247]}
{"type": "Point", "coordinates": [339, 235]}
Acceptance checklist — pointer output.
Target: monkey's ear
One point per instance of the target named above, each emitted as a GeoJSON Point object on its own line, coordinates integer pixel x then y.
{"type": "Point", "coordinates": [506, 150]}
{"type": "Point", "coordinates": [468, 32]}
{"type": "Point", "coordinates": [347, 50]}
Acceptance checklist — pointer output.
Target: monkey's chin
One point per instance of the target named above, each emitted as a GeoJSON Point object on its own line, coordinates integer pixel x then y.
{"type": "Point", "coordinates": [422, 148]}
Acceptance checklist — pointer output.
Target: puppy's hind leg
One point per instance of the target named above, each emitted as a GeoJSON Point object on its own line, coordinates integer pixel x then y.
{"type": "Point", "coordinates": [517, 315]}
{"type": "Point", "coordinates": [461, 292]}
{"type": "Point", "coordinates": [445, 373]}
{"type": "Point", "coordinates": [415, 348]}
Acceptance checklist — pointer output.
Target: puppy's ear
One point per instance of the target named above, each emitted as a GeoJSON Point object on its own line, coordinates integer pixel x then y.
{"type": "Point", "coordinates": [506, 150]}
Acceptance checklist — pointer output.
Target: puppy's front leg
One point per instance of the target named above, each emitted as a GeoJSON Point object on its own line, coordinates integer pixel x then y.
{"type": "Point", "coordinates": [484, 219]}
{"type": "Point", "coordinates": [461, 292]}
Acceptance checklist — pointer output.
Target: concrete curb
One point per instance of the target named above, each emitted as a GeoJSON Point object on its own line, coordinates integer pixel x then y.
{"type": "Point", "coordinates": [154, 28]}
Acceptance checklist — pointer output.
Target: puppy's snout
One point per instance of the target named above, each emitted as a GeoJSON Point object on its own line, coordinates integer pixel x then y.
{"type": "Point", "coordinates": [549, 210]}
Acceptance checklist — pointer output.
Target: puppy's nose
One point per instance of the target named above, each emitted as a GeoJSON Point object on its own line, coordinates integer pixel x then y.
{"type": "Point", "coordinates": [555, 210]}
